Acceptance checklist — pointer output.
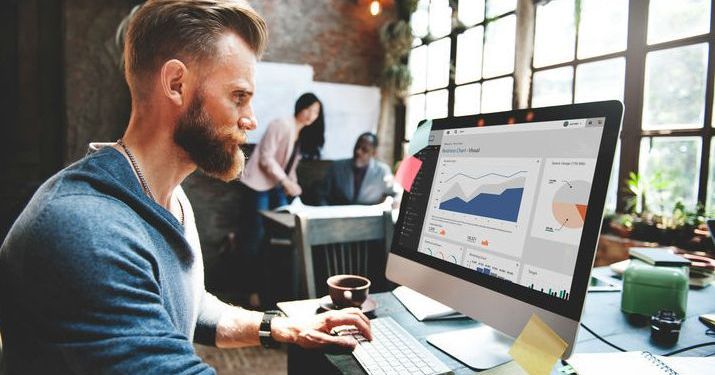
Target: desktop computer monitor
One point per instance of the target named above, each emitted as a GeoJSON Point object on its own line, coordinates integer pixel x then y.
{"type": "Point", "coordinates": [502, 220]}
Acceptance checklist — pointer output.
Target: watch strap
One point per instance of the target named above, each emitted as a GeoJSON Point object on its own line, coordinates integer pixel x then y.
{"type": "Point", "coordinates": [264, 330]}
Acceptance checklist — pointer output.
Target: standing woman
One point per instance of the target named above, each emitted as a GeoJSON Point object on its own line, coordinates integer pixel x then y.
{"type": "Point", "coordinates": [269, 176]}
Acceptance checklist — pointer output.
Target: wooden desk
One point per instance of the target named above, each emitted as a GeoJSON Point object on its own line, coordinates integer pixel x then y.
{"type": "Point", "coordinates": [601, 313]}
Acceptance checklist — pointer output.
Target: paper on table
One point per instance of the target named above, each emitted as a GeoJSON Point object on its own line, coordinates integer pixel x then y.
{"type": "Point", "coordinates": [423, 307]}
{"type": "Point", "coordinates": [420, 138]}
{"type": "Point", "coordinates": [641, 363]}
{"type": "Point", "coordinates": [407, 171]}
{"type": "Point", "coordinates": [318, 212]}
{"type": "Point", "coordinates": [538, 347]}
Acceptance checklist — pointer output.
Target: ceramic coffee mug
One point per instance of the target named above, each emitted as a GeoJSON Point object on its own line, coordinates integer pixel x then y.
{"type": "Point", "coordinates": [348, 290]}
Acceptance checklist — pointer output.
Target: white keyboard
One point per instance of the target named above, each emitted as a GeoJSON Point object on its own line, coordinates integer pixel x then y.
{"type": "Point", "coordinates": [394, 351]}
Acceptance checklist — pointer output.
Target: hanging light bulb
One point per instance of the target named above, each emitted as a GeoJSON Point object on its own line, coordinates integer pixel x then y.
{"type": "Point", "coordinates": [375, 7]}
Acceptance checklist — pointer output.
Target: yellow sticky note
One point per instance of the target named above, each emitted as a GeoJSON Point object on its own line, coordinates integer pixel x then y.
{"type": "Point", "coordinates": [538, 347]}
{"type": "Point", "coordinates": [509, 368]}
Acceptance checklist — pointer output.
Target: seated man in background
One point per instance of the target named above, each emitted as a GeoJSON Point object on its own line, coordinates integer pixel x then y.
{"type": "Point", "coordinates": [359, 180]}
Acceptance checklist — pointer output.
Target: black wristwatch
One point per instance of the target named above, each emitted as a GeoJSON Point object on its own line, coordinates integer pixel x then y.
{"type": "Point", "coordinates": [264, 331]}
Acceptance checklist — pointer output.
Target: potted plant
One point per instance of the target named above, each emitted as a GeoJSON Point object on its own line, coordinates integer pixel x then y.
{"type": "Point", "coordinates": [681, 227]}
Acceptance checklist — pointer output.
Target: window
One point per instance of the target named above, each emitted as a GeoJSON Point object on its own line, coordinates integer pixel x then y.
{"type": "Point", "coordinates": [477, 76]}
{"type": "Point", "coordinates": [674, 152]}
{"type": "Point", "coordinates": [653, 55]}
{"type": "Point", "coordinates": [576, 62]}
{"type": "Point", "coordinates": [429, 63]}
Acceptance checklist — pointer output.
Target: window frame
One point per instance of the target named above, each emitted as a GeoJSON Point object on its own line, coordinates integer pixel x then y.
{"type": "Point", "coordinates": [635, 54]}
{"type": "Point", "coordinates": [632, 132]}
{"type": "Point", "coordinates": [457, 29]}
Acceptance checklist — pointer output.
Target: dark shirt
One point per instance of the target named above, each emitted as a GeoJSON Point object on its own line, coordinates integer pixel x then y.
{"type": "Point", "coordinates": [358, 176]}
{"type": "Point", "coordinates": [342, 185]}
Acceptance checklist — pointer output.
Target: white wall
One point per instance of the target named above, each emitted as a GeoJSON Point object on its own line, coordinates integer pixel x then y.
{"type": "Point", "coordinates": [349, 109]}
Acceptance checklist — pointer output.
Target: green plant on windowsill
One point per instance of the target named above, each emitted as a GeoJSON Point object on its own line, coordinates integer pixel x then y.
{"type": "Point", "coordinates": [680, 226]}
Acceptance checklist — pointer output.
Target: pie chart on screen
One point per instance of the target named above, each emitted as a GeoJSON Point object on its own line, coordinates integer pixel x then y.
{"type": "Point", "coordinates": [570, 204]}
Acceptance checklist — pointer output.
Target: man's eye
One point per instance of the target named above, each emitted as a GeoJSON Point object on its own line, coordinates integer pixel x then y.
{"type": "Point", "coordinates": [241, 98]}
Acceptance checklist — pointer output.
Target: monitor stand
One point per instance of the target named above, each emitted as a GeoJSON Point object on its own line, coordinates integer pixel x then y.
{"type": "Point", "coordinates": [479, 348]}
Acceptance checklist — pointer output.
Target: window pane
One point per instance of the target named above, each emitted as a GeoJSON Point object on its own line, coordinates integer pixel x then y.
{"type": "Point", "coordinates": [471, 12]}
{"type": "Point", "coordinates": [669, 20]}
{"type": "Point", "coordinates": [469, 55]}
{"type": "Point", "coordinates": [420, 19]}
{"type": "Point", "coordinates": [437, 104]}
{"type": "Point", "coordinates": [418, 69]}
{"type": "Point", "coordinates": [499, 47]}
{"type": "Point", "coordinates": [415, 114]}
{"type": "Point", "coordinates": [466, 99]}
{"type": "Point", "coordinates": [552, 87]}
{"type": "Point", "coordinates": [671, 167]}
{"type": "Point", "coordinates": [601, 80]}
{"type": "Point", "coordinates": [710, 204]}
{"type": "Point", "coordinates": [555, 35]}
{"type": "Point", "coordinates": [594, 38]}
{"type": "Point", "coordinates": [613, 185]}
{"type": "Point", "coordinates": [499, 7]}
{"type": "Point", "coordinates": [438, 64]}
{"type": "Point", "coordinates": [497, 95]}
{"type": "Point", "coordinates": [440, 18]}
{"type": "Point", "coordinates": [674, 93]}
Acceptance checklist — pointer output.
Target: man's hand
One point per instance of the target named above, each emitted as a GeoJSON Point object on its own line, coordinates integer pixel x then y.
{"type": "Point", "coordinates": [291, 188]}
{"type": "Point", "coordinates": [314, 332]}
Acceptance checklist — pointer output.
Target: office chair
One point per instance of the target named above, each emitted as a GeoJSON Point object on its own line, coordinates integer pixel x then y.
{"type": "Point", "coordinates": [344, 245]}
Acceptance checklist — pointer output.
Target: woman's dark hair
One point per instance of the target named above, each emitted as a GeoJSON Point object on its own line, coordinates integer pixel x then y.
{"type": "Point", "coordinates": [311, 138]}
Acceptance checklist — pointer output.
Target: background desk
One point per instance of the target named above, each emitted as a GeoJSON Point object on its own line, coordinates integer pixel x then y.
{"type": "Point", "coordinates": [601, 313]}
{"type": "Point", "coordinates": [283, 258]}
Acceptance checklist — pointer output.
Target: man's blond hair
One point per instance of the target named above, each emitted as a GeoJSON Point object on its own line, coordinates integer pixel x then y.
{"type": "Point", "coordinates": [186, 30]}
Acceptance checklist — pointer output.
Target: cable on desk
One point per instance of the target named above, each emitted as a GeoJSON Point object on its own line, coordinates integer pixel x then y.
{"type": "Point", "coordinates": [602, 339]}
{"type": "Point", "coordinates": [708, 332]}
{"type": "Point", "coordinates": [674, 352]}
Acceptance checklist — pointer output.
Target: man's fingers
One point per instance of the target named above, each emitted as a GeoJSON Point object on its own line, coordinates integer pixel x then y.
{"type": "Point", "coordinates": [347, 342]}
{"type": "Point", "coordinates": [358, 312]}
{"type": "Point", "coordinates": [317, 339]}
{"type": "Point", "coordinates": [346, 319]}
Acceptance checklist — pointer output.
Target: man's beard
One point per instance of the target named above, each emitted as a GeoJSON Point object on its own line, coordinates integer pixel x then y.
{"type": "Point", "coordinates": [215, 149]}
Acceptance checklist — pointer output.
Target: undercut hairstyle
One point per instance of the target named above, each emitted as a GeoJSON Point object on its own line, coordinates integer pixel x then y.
{"type": "Point", "coordinates": [161, 30]}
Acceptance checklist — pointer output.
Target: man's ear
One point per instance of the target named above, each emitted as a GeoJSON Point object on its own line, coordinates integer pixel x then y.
{"type": "Point", "coordinates": [173, 81]}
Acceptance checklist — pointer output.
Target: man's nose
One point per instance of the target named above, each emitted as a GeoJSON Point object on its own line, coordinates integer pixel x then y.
{"type": "Point", "coordinates": [247, 121]}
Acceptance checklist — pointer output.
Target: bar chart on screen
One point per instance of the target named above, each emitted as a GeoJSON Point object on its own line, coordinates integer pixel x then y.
{"type": "Point", "coordinates": [543, 280]}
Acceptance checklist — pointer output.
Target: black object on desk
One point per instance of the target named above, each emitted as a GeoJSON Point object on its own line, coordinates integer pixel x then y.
{"type": "Point", "coordinates": [601, 313]}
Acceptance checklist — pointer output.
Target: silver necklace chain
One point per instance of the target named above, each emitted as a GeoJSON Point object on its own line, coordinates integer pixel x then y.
{"type": "Point", "coordinates": [142, 180]}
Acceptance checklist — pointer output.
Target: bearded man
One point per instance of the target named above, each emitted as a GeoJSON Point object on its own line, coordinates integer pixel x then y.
{"type": "Point", "coordinates": [102, 272]}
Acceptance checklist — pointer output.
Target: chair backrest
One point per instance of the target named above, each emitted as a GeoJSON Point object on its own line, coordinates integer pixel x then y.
{"type": "Point", "coordinates": [346, 245]}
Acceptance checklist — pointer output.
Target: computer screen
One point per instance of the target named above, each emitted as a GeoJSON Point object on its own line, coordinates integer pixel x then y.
{"type": "Point", "coordinates": [511, 202]}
